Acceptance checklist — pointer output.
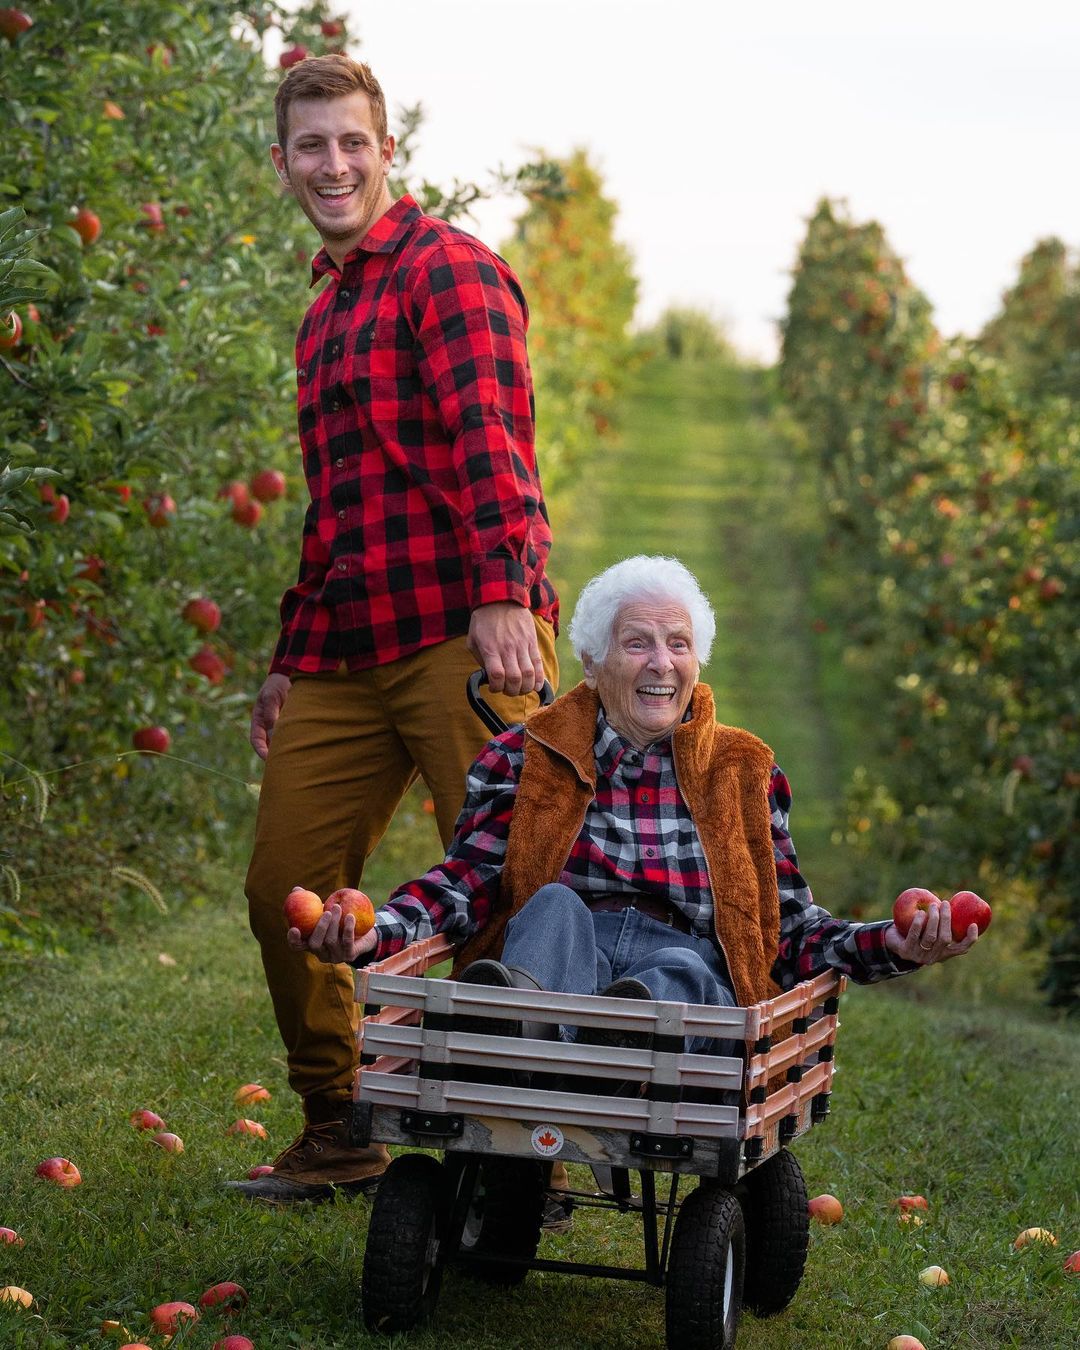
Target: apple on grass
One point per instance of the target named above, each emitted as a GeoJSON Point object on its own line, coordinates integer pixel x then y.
{"type": "Point", "coordinates": [1032, 1235]}
{"type": "Point", "coordinates": [227, 1295]}
{"type": "Point", "coordinates": [357, 904]}
{"type": "Point", "coordinates": [303, 909]}
{"type": "Point", "coordinates": [59, 1170]}
{"type": "Point", "coordinates": [233, 1343]}
{"type": "Point", "coordinates": [11, 1293]}
{"type": "Point", "coordinates": [1072, 1263]}
{"type": "Point", "coordinates": [251, 1093]}
{"type": "Point", "coordinates": [245, 1126]}
{"type": "Point", "coordinates": [905, 1343]}
{"type": "Point", "coordinates": [167, 1318]}
{"type": "Point", "coordinates": [906, 1202]}
{"type": "Point", "coordinates": [171, 1143]}
{"type": "Point", "coordinates": [262, 1170]}
{"type": "Point", "coordinates": [9, 1236]}
{"type": "Point", "coordinates": [826, 1209]}
{"type": "Point", "coordinates": [144, 1119]}
{"type": "Point", "coordinates": [933, 1277]}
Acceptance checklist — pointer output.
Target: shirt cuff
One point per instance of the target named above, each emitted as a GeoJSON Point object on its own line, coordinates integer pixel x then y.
{"type": "Point", "coordinates": [391, 934]}
{"type": "Point", "coordinates": [878, 957]}
{"type": "Point", "coordinates": [499, 579]}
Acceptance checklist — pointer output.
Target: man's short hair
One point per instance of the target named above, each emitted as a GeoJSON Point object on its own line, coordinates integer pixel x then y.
{"type": "Point", "coordinates": [334, 76]}
{"type": "Point", "coordinates": [632, 580]}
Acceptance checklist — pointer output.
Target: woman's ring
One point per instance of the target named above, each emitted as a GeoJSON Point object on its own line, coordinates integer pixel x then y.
{"type": "Point", "coordinates": [925, 948]}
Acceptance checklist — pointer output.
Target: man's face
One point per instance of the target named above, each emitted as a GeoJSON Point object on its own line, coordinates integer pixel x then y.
{"type": "Point", "coordinates": [336, 168]}
{"type": "Point", "coordinates": [649, 673]}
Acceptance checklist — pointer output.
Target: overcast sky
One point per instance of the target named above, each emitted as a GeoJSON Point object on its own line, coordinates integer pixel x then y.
{"type": "Point", "coordinates": [955, 124]}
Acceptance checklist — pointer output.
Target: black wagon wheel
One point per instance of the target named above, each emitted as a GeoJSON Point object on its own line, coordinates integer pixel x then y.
{"type": "Point", "coordinates": [404, 1256]}
{"type": "Point", "coordinates": [503, 1217]}
{"type": "Point", "coordinates": [705, 1271]}
{"type": "Point", "coordinates": [777, 1221]}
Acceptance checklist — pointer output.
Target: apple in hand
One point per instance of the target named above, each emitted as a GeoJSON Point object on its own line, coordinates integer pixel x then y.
{"type": "Point", "coordinates": [826, 1209]}
{"type": "Point", "coordinates": [60, 1170]}
{"type": "Point", "coordinates": [909, 903]}
{"type": "Point", "coordinates": [166, 1318]}
{"type": "Point", "coordinates": [357, 904]}
{"type": "Point", "coordinates": [966, 909]}
{"type": "Point", "coordinates": [146, 1120]}
{"type": "Point", "coordinates": [303, 909]}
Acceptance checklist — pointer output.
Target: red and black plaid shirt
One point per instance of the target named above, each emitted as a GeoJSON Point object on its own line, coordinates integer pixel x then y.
{"type": "Point", "coordinates": [638, 836]}
{"type": "Point", "coordinates": [416, 421]}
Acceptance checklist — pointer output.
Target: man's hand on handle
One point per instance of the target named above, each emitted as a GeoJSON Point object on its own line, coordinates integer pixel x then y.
{"type": "Point", "coordinates": [502, 637]}
{"type": "Point", "coordinates": [333, 938]}
{"type": "Point", "coordinates": [267, 709]}
{"type": "Point", "coordinates": [929, 939]}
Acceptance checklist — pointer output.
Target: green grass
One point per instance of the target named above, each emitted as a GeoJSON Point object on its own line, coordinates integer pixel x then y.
{"type": "Point", "coordinates": [942, 1087]}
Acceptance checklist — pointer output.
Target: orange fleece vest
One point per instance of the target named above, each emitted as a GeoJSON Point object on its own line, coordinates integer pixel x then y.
{"type": "Point", "coordinates": [723, 774]}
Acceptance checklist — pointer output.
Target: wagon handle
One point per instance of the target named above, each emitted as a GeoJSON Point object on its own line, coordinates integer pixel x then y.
{"type": "Point", "coordinates": [486, 712]}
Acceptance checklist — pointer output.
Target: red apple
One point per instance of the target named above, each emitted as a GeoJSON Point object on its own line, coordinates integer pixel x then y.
{"type": "Point", "coordinates": [355, 903]}
{"type": "Point", "coordinates": [244, 1126]}
{"type": "Point", "coordinates": [92, 568]}
{"type": "Point", "coordinates": [826, 1209]}
{"type": "Point", "coordinates": [1071, 1267]}
{"type": "Point", "coordinates": [171, 1143]}
{"type": "Point", "coordinates": [967, 908]}
{"type": "Point", "coordinates": [13, 22]}
{"type": "Point", "coordinates": [160, 509]}
{"type": "Point", "coordinates": [112, 111]}
{"type": "Point", "coordinates": [60, 1170]}
{"type": "Point", "coordinates": [227, 1295]}
{"type": "Point", "coordinates": [262, 1170]}
{"type": "Point", "coordinates": [202, 614]}
{"type": "Point", "coordinates": [123, 491]}
{"type": "Point", "coordinates": [61, 509]}
{"type": "Point", "coordinates": [159, 51]}
{"type": "Point", "coordinates": [907, 904]}
{"type": "Point", "coordinates": [292, 56]}
{"type": "Point", "coordinates": [250, 1093]}
{"type": "Point", "coordinates": [152, 217]}
{"type": "Point", "coordinates": [303, 910]}
{"type": "Point", "coordinates": [235, 492]}
{"type": "Point", "coordinates": [166, 1318]}
{"type": "Point", "coordinates": [11, 1293]}
{"type": "Point", "coordinates": [1051, 588]}
{"type": "Point", "coordinates": [146, 1120]}
{"type": "Point", "coordinates": [268, 485]}
{"type": "Point", "coordinates": [247, 514]}
{"type": "Point", "coordinates": [933, 1276]}
{"type": "Point", "coordinates": [151, 740]}
{"type": "Point", "coordinates": [905, 1343]}
{"type": "Point", "coordinates": [908, 1202]}
{"type": "Point", "coordinates": [1030, 1235]}
{"type": "Point", "coordinates": [11, 332]}
{"type": "Point", "coordinates": [233, 1343]}
{"type": "Point", "coordinates": [332, 28]}
{"type": "Point", "coordinates": [10, 1236]}
{"type": "Point", "coordinates": [207, 663]}
{"type": "Point", "coordinates": [87, 226]}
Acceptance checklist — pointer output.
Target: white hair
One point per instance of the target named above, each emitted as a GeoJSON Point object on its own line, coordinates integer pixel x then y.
{"type": "Point", "coordinates": [635, 579]}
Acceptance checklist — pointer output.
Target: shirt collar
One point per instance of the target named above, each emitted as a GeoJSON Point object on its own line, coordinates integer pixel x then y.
{"type": "Point", "coordinates": [610, 748]}
{"type": "Point", "coordinates": [383, 237]}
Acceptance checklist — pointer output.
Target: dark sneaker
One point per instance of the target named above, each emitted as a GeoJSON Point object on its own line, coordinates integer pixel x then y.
{"type": "Point", "coordinates": [490, 973]}
{"type": "Point", "coordinates": [316, 1165]}
{"type": "Point", "coordinates": [620, 1040]}
{"type": "Point", "coordinates": [558, 1214]}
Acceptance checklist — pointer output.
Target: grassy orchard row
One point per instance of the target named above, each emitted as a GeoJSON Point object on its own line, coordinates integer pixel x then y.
{"type": "Point", "coordinates": [953, 494]}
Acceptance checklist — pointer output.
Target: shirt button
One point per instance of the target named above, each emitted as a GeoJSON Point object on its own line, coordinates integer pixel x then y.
{"type": "Point", "coordinates": [341, 567]}
{"type": "Point", "coordinates": [644, 796]}
{"type": "Point", "coordinates": [339, 463]}
{"type": "Point", "coordinates": [341, 515]}
{"type": "Point", "coordinates": [344, 292]}
{"type": "Point", "coordinates": [649, 852]}
{"type": "Point", "coordinates": [335, 406]}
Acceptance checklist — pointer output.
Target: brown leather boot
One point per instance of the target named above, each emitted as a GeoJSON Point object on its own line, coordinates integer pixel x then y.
{"type": "Point", "coordinates": [318, 1163]}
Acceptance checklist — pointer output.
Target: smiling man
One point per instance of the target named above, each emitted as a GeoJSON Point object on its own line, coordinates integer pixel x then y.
{"type": "Point", "coordinates": [424, 554]}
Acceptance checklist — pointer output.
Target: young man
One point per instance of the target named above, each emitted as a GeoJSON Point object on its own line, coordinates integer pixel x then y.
{"type": "Point", "coordinates": [423, 555]}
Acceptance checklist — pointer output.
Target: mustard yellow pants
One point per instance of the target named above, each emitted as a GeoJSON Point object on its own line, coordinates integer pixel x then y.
{"type": "Point", "coordinates": [344, 750]}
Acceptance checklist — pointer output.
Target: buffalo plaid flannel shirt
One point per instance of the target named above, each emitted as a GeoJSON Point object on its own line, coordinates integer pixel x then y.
{"type": "Point", "coordinates": [415, 408]}
{"type": "Point", "coordinates": [638, 836]}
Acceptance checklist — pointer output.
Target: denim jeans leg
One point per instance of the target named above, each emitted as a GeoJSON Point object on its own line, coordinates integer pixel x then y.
{"type": "Point", "coordinates": [552, 937]}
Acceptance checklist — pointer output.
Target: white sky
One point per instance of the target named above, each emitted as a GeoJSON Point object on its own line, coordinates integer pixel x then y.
{"type": "Point", "coordinates": [954, 123]}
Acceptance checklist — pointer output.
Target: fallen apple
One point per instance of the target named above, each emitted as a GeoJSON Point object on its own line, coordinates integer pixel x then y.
{"type": "Point", "coordinates": [59, 1170]}
{"type": "Point", "coordinates": [262, 1170]}
{"type": "Point", "coordinates": [151, 740]}
{"type": "Point", "coordinates": [905, 1343]}
{"type": "Point", "coordinates": [933, 1277]}
{"type": "Point", "coordinates": [110, 1327]}
{"type": "Point", "coordinates": [357, 904]}
{"type": "Point", "coordinates": [202, 614]}
{"type": "Point", "coordinates": [245, 1126]}
{"type": "Point", "coordinates": [146, 1120]}
{"type": "Point", "coordinates": [268, 485]}
{"type": "Point", "coordinates": [909, 903]}
{"type": "Point", "coordinates": [11, 1293]}
{"type": "Point", "coordinates": [906, 1202]}
{"type": "Point", "coordinates": [966, 909]}
{"type": "Point", "coordinates": [1072, 1263]}
{"type": "Point", "coordinates": [826, 1209]}
{"type": "Point", "coordinates": [171, 1143]}
{"type": "Point", "coordinates": [1030, 1235]}
{"type": "Point", "coordinates": [135, 1345]}
{"type": "Point", "coordinates": [233, 1343]}
{"type": "Point", "coordinates": [166, 1318]}
{"type": "Point", "coordinates": [10, 1236]}
{"type": "Point", "coordinates": [250, 1093]}
{"type": "Point", "coordinates": [227, 1295]}
{"type": "Point", "coordinates": [303, 910]}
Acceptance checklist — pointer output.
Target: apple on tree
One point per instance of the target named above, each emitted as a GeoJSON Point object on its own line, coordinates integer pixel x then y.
{"type": "Point", "coordinates": [151, 740]}
{"type": "Point", "coordinates": [86, 225]}
{"type": "Point", "coordinates": [202, 614]}
{"type": "Point", "coordinates": [11, 331]}
{"type": "Point", "coordinates": [268, 485]}
{"type": "Point", "coordinates": [160, 509]}
{"type": "Point", "coordinates": [247, 514]}
{"type": "Point", "coordinates": [14, 22]}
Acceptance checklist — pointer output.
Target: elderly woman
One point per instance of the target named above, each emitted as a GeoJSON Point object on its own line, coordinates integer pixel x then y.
{"type": "Point", "coordinates": [624, 842]}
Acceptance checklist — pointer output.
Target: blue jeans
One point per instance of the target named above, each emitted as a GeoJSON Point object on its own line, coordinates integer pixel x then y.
{"type": "Point", "coordinates": [570, 950]}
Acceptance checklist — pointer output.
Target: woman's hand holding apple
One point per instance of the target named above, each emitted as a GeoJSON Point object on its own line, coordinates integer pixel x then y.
{"type": "Point", "coordinates": [922, 930]}
{"type": "Point", "coordinates": [333, 939]}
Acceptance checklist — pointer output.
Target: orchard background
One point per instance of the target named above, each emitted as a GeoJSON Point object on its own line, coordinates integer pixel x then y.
{"type": "Point", "coordinates": [887, 522]}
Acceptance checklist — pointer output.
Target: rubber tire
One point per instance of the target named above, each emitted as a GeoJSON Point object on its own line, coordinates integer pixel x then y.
{"type": "Point", "coordinates": [507, 1211]}
{"type": "Point", "coordinates": [777, 1221]}
{"type": "Point", "coordinates": [402, 1265]}
{"type": "Point", "coordinates": [705, 1271]}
